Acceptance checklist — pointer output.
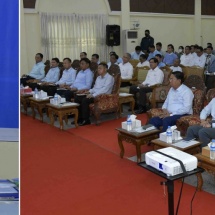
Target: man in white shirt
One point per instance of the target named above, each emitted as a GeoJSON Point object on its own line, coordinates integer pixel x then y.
{"type": "Point", "coordinates": [126, 69]}
{"type": "Point", "coordinates": [37, 71]}
{"type": "Point", "coordinates": [143, 61]}
{"type": "Point", "coordinates": [200, 58]}
{"type": "Point", "coordinates": [187, 58]}
{"type": "Point", "coordinates": [206, 130]}
{"type": "Point", "coordinates": [136, 54]}
{"type": "Point", "coordinates": [177, 104]}
{"type": "Point", "coordinates": [176, 66]}
{"type": "Point", "coordinates": [154, 76]}
{"type": "Point", "coordinates": [193, 50]}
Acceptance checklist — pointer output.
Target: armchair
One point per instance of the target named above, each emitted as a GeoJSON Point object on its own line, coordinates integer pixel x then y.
{"type": "Point", "coordinates": [139, 76]}
{"type": "Point", "coordinates": [160, 91]}
{"type": "Point", "coordinates": [192, 70]}
{"type": "Point", "coordinates": [108, 103]}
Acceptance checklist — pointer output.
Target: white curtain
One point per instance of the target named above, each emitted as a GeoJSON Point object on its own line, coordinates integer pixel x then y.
{"type": "Point", "coordinates": [66, 35]}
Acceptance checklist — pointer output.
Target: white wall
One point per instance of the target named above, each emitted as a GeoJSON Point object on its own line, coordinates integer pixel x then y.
{"type": "Point", "coordinates": [9, 160]}
{"type": "Point", "coordinates": [178, 30]}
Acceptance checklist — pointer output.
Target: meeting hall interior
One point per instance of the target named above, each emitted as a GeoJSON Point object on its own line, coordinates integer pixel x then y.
{"type": "Point", "coordinates": [89, 82]}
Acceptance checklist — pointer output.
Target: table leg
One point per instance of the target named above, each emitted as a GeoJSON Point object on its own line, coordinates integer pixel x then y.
{"type": "Point", "coordinates": [33, 110]}
{"type": "Point", "coordinates": [120, 145]}
{"type": "Point", "coordinates": [51, 116]}
{"type": "Point", "coordinates": [60, 116]}
{"type": "Point", "coordinates": [200, 181]}
{"type": "Point", "coordinates": [40, 110]}
{"type": "Point", "coordinates": [75, 112]}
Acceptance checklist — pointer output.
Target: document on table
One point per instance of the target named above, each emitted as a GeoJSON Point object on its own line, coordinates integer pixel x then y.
{"type": "Point", "coordinates": [184, 144]}
{"type": "Point", "coordinates": [125, 94]}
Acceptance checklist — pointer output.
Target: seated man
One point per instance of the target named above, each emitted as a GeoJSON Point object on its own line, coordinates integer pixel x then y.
{"type": "Point", "coordinates": [160, 63]}
{"type": "Point", "coordinates": [143, 61]}
{"type": "Point", "coordinates": [177, 104]}
{"type": "Point", "coordinates": [83, 81]}
{"type": "Point", "coordinates": [170, 55]}
{"type": "Point", "coordinates": [159, 48]}
{"type": "Point", "coordinates": [67, 79]}
{"type": "Point", "coordinates": [154, 76]}
{"type": "Point", "coordinates": [206, 130]}
{"type": "Point", "coordinates": [83, 55]}
{"type": "Point", "coordinates": [53, 73]}
{"type": "Point", "coordinates": [119, 60]}
{"type": "Point", "coordinates": [113, 60]}
{"type": "Point", "coordinates": [136, 54]}
{"type": "Point", "coordinates": [103, 85]}
{"type": "Point", "coordinates": [37, 71]}
{"type": "Point", "coordinates": [187, 58]}
{"type": "Point", "coordinates": [199, 59]}
{"type": "Point", "coordinates": [51, 77]}
{"type": "Point", "coordinates": [95, 58]}
{"type": "Point", "coordinates": [126, 69]}
{"type": "Point", "coordinates": [176, 67]}
{"type": "Point", "coordinates": [152, 52]}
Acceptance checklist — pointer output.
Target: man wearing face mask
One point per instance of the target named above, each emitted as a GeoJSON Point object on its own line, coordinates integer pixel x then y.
{"type": "Point", "coordinates": [146, 41]}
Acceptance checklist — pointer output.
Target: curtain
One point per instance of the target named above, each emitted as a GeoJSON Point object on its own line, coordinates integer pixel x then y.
{"type": "Point", "coordinates": [66, 35]}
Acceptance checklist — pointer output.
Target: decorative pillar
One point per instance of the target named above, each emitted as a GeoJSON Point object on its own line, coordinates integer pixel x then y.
{"type": "Point", "coordinates": [125, 14]}
{"type": "Point", "coordinates": [198, 23]}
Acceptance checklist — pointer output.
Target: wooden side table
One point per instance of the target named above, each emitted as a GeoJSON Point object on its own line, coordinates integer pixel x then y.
{"type": "Point", "coordinates": [136, 139]}
{"type": "Point", "coordinates": [194, 149]}
{"type": "Point", "coordinates": [62, 112]}
{"type": "Point", "coordinates": [24, 100]}
{"type": "Point", "coordinates": [207, 164]}
{"type": "Point", "coordinates": [126, 98]}
{"type": "Point", "coordinates": [38, 104]}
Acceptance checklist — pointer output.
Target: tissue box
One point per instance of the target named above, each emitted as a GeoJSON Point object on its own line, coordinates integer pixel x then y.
{"type": "Point", "coordinates": [206, 151]}
{"type": "Point", "coordinates": [135, 124]}
{"type": "Point", "coordinates": [27, 90]}
{"type": "Point", "coordinates": [176, 135]}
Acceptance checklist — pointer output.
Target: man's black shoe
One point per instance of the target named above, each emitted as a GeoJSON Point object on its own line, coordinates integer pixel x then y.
{"type": "Point", "coordinates": [84, 122]}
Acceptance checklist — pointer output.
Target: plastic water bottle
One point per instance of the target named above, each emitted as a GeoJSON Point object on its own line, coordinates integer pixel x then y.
{"type": "Point", "coordinates": [36, 94]}
{"type": "Point", "coordinates": [169, 135]}
{"type": "Point", "coordinates": [55, 99]}
{"type": "Point", "coordinates": [129, 123]}
{"type": "Point", "coordinates": [212, 150]}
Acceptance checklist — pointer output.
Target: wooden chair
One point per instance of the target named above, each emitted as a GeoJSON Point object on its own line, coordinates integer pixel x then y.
{"type": "Point", "coordinates": [140, 74]}
{"type": "Point", "coordinates": [192, 70]}
{"type": "Point", "coordinates": [108, 103]}
{"type": "Point", "coordinates": [134, 62]}
{"type": "Point", "coordinates": [160, 91]}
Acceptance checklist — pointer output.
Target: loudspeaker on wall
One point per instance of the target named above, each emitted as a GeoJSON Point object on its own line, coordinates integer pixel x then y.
{"type": "Point", "coordinates": [112, 35]}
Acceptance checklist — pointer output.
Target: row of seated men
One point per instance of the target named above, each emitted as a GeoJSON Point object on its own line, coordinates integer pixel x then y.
{"type": "Point", "coordinates": [177, 104]}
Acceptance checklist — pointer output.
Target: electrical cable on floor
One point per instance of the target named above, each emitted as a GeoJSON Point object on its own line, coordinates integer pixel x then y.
{"type": "Point", "coordinates": [179, 197]}
{"type": "Point", "coordinates": [191, 203]}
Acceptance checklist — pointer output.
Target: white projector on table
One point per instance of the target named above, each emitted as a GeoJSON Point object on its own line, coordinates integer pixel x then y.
{"type": "Point", "coordinates": [168, 165]}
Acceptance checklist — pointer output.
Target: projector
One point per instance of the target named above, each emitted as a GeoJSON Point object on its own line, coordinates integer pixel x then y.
{"type": "Point", "coordinates": [169, 166]}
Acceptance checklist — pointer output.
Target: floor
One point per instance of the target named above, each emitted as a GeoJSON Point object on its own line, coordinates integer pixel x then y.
{"type": "Point", "coordinates": [209, 180]}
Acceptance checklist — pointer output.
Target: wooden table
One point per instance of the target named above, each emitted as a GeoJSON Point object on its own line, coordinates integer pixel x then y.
{"type": "Point", "coordinates": [24, 100]}
{"type": "Point", "coordinates": [207, 164]}
{"type": "Point", "coordinates": [38, 104]}
{"type": "Point", "coordinates": [194, 149]}
{"type": "Point", "coordinates": [62, 112]}
{"type": "Point", "coordinates": [126, 98]}
{"type": "Point", "coordinates": [136, 139]}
